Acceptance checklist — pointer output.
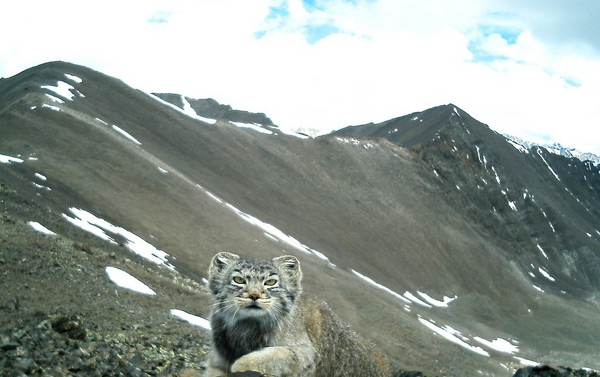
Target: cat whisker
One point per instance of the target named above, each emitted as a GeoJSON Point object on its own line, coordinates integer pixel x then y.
{"type": "Point", "coordinates": [222, 309]}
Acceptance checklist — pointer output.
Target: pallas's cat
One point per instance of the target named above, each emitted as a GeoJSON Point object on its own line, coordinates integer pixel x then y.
{"type": "Point", "coordinates": [261, 323]}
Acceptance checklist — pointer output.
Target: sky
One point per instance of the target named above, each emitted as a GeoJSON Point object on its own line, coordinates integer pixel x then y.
{"type": "Point", "coordinates": [526, 68]}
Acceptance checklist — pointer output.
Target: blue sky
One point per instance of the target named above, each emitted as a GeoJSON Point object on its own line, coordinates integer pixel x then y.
{"type": "Point", "coordinates": [528, 68]}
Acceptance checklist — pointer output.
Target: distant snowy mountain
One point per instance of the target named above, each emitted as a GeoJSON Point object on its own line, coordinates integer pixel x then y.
{"type": "Point", "coordinates": [558, 149]}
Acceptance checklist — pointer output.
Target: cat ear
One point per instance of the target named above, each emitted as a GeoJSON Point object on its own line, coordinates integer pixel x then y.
{"type": "Point", "coordinates": [290, 264]}
{"type": "Point", "coordinates": [220, 262]}
{"type": "Point", "coordinates": [288, 261]}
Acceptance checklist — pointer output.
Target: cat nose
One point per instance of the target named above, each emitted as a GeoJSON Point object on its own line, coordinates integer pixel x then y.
{"type": "Point", "coordinates": [254, 296]}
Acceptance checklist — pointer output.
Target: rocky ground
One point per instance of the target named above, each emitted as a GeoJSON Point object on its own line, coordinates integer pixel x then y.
{"type": "Point", "coordinates": [60, 315]}
{"type": "Point", "coordinates": [62, 345]}
{"type": "Point", "coordinates": [548, 371]}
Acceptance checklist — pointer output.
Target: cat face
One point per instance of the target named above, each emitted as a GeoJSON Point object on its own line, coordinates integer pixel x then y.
{"type": "Point", "coordinates": [261, 290]}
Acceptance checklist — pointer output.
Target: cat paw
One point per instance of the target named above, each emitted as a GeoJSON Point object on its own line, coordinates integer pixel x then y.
{"type": "Point", "coordinates": [247, 364]}
{"type": "Point", "coordinates": [267, 362]}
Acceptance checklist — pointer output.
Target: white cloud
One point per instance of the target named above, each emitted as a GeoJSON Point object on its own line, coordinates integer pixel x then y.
{"type": "Point", "coordinates": [498, 60]}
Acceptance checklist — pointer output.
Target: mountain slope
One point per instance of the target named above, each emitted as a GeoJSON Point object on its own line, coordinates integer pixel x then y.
{"type": "Point", "coordinates": [542, 208]}
{"type": "Point", "coordinates": [421, 213]}
{"type": "Point", "coordinates": [408, 130]}
{"type": "Point", "coordinates": [211, 109]}
{"type": "Point", "coordinates": [558, 149]}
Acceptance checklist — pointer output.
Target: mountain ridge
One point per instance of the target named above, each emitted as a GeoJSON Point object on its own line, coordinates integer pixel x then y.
{"type": "Point", "coordinates": [211, 109]}
{"type": "Point", "coordinates": [558, 149]}
{"type": "Point", "coordinates": [407, 130]}
{"type": "Point", "coordinates": [464, 152]}
{"type": "Point", "coordinates": [431, 219]}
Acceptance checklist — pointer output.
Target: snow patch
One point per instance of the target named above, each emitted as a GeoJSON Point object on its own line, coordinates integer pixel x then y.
{"type": "Point", "coordinates": [546, 274]}
{"type": "Point", "coordinates": [497, 177]}
{"type": "Point", "coordinates": [40, 176]}
{"type": "Point", "coordinates": [499, 344]}
{"type": "Point", "coordinates": [187, 109]}
{"type": "Point", "coordinates": [190, 318]}
{"type": "Point", "coordinates": [352, 141]}
{"type": "Point", "coordinates": [40, 228]}
{"type": "Point", "coordinates": [455, 332]}
{"type": "Point", "coordinates": [452, 338]}
{"type": "Point", "coordinates": [136, 244]}
{"type": "Point", "coordinates": [274, 232]}
{"type": "Point", "coordinates": [479, 155]}
{"type": "Point", "coordinates": [62, 89]}
{"type": "Point", "coordinates": [73, 78]}
{"type": "Point", "coordinates": [295, 134]}
{"type": "Point", "coordinates": [269, 230]}
{"type": "Point", "coordinates": [542, 250]}
{"type": "Point", "coordinates": [416, 300]}
{"type": "Point", "coordinates": [9, 160]}
{"type": "Point", "coordinates": [525, 362]}
{"type": "Point", "coordinates": [371, 281]}
{"type": "Point", "coordinates": [54, 108]}
{"type": "Point", "coordinates": [125, 280]}
{"type": "Point", "coordinates": [215, 198]}
{"type": "Point", "coordinates": [539, 151]}
{"type": "Point", "coordinates": [176, 108]}
{"type": "Point", "coordinates": [41, 186]}
{"type": "Point", "coordinates": [518, 146]}
{"type": "Point", "coordinates": [126, 134]}
{"type": "Point", "coordinates": [252, 126]}
{"type": "Point", "coordinates": [440, 304]}
{"type": "Point", "coordinates": [54, 99]}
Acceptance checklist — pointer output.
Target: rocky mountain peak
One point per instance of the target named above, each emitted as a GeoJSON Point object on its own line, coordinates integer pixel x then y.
{"type": "Point", "coordinates": [210, 108]}
{"type": "Point", "coordinates": [557, 149]}
{"type": "Point", "coordinates": [419, 127]}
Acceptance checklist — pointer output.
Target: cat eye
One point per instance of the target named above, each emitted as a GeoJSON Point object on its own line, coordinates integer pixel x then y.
{"type": "Point", "coordinates": [239, 280]}
{"type": "Point", "coordinates": [271, 282]}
